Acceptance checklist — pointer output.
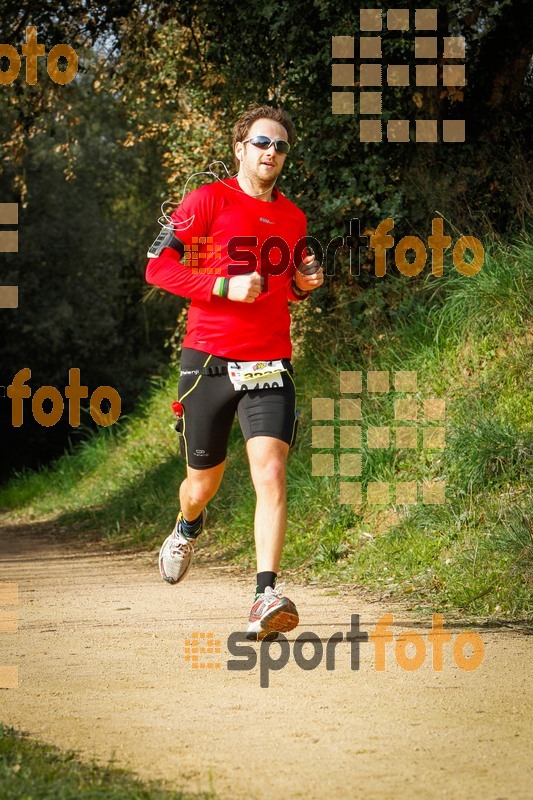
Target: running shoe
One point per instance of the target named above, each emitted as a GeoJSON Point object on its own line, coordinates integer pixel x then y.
{"type": "Point", "coordinates": [175, 555]}
{"type": "Point", "coordinates": [271, 613]}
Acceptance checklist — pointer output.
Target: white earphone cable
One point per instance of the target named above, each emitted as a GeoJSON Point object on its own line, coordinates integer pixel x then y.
{"type": "Point", "coordinates": [166, 221]}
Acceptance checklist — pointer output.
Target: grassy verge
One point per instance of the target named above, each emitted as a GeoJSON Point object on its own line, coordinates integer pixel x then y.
{"type": "Point", "coordinates": [31, 771]}
{"type": "Point", "coordinates": [469, 341]}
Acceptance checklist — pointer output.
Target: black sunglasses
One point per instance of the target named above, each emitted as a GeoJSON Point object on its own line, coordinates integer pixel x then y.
{"type": "Point", "coordinates": [263, 143]}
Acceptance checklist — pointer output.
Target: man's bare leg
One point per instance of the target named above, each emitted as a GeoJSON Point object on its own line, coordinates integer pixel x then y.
{"type": "Point", "coordinates": [198, 488]}
{"type": "Point", "coordinates": [271, 612]}
{"type": "Point", "coordinates": [268, 467]}
{"type": "Point", "coordinates": [175, 555]}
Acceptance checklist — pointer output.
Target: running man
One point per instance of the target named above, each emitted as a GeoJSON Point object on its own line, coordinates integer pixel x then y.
{"type": "Point", "coordinates": [236, 352]}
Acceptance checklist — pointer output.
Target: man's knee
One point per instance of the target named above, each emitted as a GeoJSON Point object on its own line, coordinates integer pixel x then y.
{"type": "Point", "coordinates": [202, 486]}
{"type": "Point", "coordinates": [270, 471]}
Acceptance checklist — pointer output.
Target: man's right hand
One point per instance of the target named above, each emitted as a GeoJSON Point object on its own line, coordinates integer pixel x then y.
{"type": "Point", "coordinates": [245, 288]}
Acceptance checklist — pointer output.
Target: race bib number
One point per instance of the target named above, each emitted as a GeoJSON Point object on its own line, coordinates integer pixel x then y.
{"type": "Point", "coordinates": [249, 375]}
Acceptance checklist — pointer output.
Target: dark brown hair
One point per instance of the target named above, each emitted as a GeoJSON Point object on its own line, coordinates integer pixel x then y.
{"type": "Point", "coordinates": [247, 119]}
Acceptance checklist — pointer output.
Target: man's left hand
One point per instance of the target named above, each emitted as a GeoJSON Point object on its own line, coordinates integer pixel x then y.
{"type": "Point", "coordinates": [309, 274]}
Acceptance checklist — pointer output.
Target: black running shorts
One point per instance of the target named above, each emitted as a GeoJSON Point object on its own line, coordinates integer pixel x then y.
{"type": "Point", "coordinates": [209, 405]}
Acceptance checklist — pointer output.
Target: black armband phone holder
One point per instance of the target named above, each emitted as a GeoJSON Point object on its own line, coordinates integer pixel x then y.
{"type": "Point", "coordinates": [166, 239]}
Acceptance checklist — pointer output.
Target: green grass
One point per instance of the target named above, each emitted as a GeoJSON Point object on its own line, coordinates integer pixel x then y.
{"type": "Point", "coordinates": [31, 771]}
{"type": "Point", "coordinates": [468, 339]}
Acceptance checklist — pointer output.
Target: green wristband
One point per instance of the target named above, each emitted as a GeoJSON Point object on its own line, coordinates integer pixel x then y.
{"type": "Point", "coordinates": [223, 287]}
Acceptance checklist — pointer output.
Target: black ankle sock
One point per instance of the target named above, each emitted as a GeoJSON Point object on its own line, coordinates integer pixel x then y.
{"type": "Point", "coordinates": [193, 528]}
{"type": "Point", "coordinates": [265, 579]}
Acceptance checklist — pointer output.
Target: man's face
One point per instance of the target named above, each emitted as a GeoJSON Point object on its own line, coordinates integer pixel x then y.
{"type": "Point", "coordinates": [263, 165]}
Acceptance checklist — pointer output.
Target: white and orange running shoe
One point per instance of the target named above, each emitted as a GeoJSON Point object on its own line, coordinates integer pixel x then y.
{"type": "Point", "coordinates": [175, 555]}
{"type": "Point", "coordinates": [271, 613]}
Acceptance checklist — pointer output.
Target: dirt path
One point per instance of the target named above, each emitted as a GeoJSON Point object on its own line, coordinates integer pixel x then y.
{"type": "Point", "coordinates": [102, 669]}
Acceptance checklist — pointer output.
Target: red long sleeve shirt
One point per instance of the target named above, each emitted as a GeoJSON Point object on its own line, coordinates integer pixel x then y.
{"type": "Point", "coordinates": [208, 222]}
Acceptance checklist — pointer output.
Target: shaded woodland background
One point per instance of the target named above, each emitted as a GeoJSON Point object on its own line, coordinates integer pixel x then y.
{"type": "Point", "coordinates": [158, 89]}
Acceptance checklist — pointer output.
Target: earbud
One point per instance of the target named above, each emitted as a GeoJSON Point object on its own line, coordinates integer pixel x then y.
{"type": "Point", "coordinates": [241, 157]}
